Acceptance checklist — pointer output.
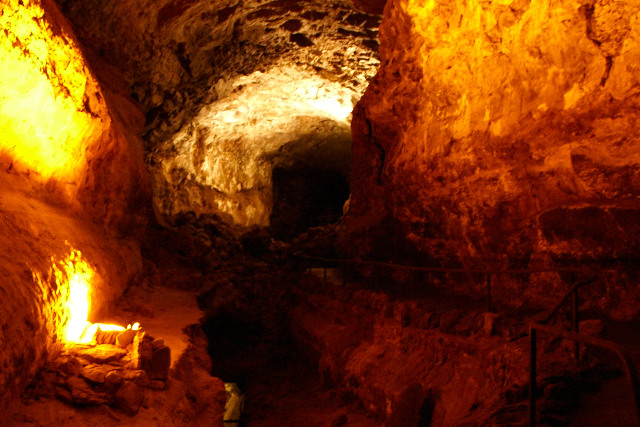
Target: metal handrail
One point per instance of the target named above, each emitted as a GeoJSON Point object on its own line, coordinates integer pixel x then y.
{"type": "Point", "coordinates": [541, 325]}
{"type": "Point", "coordinates": [628, 364]}
{"type": "Point", "coordinates": [564, 299]}
{"type": "Point", "coordinates": [487, 272]}
{"type": "Point", "coordinates": [441, 269]}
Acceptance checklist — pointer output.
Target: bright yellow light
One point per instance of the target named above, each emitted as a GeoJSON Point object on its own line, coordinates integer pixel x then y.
{"type": "Point", "coordinates": [71, 292]}
{"type": "Point", "coordinates": [43, 123]}
{"type": "Point", "coordinates": [79, 275]}
{"type": "Point", "coordinates": [73, 277]}
{"type": "Point", "coordinates": [332, 107]}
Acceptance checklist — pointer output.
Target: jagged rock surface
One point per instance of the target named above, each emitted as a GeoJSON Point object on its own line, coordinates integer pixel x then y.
{"type": "Point", "coordinates": [437, 360]}
{"type": "Point", "coordinates": [503, 134]}
{"type": "Point", "coordinates": [229, 87]}
{"type": "Point", "coordinates": [99, 208]}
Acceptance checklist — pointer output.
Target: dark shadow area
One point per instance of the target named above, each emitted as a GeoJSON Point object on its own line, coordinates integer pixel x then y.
{"type": "Point", "coordinates": [236, 348]}
{"type": "Point", "coordinates": [426, 412]}
{"type": "Point", "coordinates": [305, 198]}
{"type": "Point", "coordinates": [282, 386]}
{"type": "Point", "coordinates": [310, 180]}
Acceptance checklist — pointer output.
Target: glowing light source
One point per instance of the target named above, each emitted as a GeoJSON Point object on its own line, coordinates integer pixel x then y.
{"type": "Point", "coordinates": [79, 275]}
{"type": "Point", "coordinates": [73, 277]}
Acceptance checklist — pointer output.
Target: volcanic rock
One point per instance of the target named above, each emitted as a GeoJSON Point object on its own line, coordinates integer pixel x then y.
{"type": "Point", "coordinates": [129, 398]}
{"type": "Point", "coordinates": [82, 393]}
{"type": "Point", "coordinates": [468, 153]}
{"type": "Point", "coordinates": [96, 373]}
{"type": "Point", "coordinates": [102, 353]}
{"type": "Point", "coordinates": [138, 377]}
{"type": "Point", "coordinates": [113, 379]}
{"type": "Point", "coordinates": [69, 365]}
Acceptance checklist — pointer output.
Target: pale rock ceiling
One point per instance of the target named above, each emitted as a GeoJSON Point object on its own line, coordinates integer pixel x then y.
{"type": "Point", "coordinates": [227, 84]}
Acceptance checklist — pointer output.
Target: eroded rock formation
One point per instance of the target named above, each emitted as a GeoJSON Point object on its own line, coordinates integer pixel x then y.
{"type": "Point", "coordinates": [227, 85]}
{"type": "Point", "coordinates": [502, 134]}
{"type": "Point", "coordinates": [72, 178]}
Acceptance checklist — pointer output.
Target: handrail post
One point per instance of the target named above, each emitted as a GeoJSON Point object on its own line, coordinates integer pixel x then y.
{"type": "Point", "coordinates": [325, 272]}
{"type": "Point", "coordinates": [532, 377]}
{"type": "Point", "coordinates": [576, 317]}
{"type": "Point", "coordinates": [488, 281]}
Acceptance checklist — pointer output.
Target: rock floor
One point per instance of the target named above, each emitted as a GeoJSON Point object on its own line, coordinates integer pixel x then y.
{"type": "Point", "coordinates": [310, 353]}
{"type": "Point", "coordinates": [291, 393]}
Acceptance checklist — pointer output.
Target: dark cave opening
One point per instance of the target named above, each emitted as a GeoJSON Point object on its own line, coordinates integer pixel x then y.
{"type": "Point", "coordinates": [253, 343]}
{"type": "Point", "coordinates": [305, 198]}
{"type": "Point", "coordinates": [311, 179]}
{"type": "Point", "coordinates": [233, 342]}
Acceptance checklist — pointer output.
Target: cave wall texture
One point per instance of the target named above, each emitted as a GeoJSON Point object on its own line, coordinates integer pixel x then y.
{"type": "Point", "coordinates": [503, 134]}
{"type": "Point", "coordinates": [228, 85]}
{"type": "Point", "coordinates": [72, 178]}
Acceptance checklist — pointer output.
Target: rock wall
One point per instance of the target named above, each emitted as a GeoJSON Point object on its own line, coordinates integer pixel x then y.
{"type": "Point", "coordinates": [439, 360]}
{"type": "Point", "coordinates": [371, 6]}
{"type": "Point", "coordinates": [227, 84]}
{"type": "Point", "coordinates": [72, 178]}
{"type": "Point", "coordinates": [503, 134]}
{"type": "Point", "coordinates": [174, 53]}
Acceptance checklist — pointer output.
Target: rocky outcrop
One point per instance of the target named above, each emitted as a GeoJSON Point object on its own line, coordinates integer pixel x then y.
{"type": "Point", "coordinates": [502, 135]}
{"type": "Point", "coordinates": [227, 85]}
{"type": "Point", "coordinates": [73, 179]}
{"type": "Point", "coordinates": [371, 6]}
{"type": "Point", "coordinates": [435, 360]}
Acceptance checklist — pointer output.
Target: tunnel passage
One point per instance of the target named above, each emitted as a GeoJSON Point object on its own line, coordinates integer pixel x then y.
{"type": "Point", "coordinates": [305, 198]}
{"type": "Point", "coordinates": [484, 154]}
{"type": "Point", "coordinates": [228, 84]}
{"type": "Point", "coordinates": [310, 180]}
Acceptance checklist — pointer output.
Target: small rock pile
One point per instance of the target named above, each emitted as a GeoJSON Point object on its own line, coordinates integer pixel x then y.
{"type": "Point", "coordinates": [105, 373]}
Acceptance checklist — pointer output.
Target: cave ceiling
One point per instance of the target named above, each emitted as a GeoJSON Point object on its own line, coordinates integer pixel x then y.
{"type": "Point", "coordinates": [226, 84]}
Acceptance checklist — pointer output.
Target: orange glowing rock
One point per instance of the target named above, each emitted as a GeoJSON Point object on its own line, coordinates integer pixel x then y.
{"type": "Point", "coordinates": [44, 123]}
{"type": "Point", "coordinates": [73, 276]}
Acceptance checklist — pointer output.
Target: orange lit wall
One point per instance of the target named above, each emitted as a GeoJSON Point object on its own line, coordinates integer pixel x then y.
{"type": "Point", "coordinates": [44, 123]}
{"type": "Point", "coordinates": [501, 133]}
{"type": "Point", "coordinates": [72, 177]}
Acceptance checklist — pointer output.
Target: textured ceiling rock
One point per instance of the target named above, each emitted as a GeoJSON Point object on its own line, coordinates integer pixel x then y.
{"type": "Point", "coordinates": [222, 161]}
{"type": "Point", "coordinates": [371, 6]}
{"type": "Point", "coordinates": [221, 80]}
{"type": "Point", "coordinates": [500, 133]}
{"type": "Point", "coordinates": [174, 52]}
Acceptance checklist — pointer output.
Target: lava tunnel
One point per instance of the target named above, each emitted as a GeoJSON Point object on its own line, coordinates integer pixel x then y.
{"type": "Point", "coordinates": [319, 213]}
{"type": "Point", "coordinates": [305, 198]}
{"type": "Point", "coordinates": [310, 179]}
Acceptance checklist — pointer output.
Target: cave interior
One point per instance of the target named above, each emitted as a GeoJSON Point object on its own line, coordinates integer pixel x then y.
{"type": "Point", "coordinates": [319, 213]}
